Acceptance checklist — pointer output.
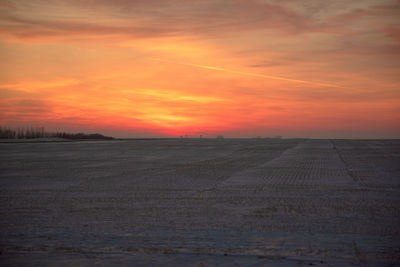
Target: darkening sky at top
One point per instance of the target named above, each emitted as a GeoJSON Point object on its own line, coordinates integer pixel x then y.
{"type": "Point", "coordinates": [148, 68]}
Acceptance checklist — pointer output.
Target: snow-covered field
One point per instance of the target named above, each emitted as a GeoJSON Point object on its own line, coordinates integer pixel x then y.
{"type": "Point", "coordinates": [201, 202]}
{"type": "Point", "coordinates": [35, 140]}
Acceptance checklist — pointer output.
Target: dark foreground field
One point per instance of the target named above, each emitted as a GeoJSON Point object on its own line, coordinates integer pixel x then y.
{"type": "Point", "coordinates": [201, 203]}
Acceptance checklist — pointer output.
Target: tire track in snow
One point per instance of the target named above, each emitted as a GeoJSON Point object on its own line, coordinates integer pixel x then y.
{"type": "Point", "coordinates": [349, 172]}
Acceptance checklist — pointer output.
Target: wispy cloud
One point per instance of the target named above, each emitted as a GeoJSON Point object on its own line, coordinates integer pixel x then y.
{"type": "Point", "coordinates": [35, 85]}
{"type": "Point", "coordinates": [172, 96]}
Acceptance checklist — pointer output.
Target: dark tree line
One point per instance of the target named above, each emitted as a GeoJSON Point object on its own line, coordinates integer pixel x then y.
{"type": "Point", "coordinates": [82, 136]}
{"type": "Point", "coordinates": [22, 133]}
{"type": "Point", "coordinates": [39, 132]}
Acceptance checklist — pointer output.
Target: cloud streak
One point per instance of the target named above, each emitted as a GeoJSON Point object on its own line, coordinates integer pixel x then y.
{"type": "Point", "coordinates": [263, 76]}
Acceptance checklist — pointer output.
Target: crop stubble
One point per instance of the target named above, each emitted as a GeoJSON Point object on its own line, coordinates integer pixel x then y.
{"type": "Point", "coordinates": [194, 201]}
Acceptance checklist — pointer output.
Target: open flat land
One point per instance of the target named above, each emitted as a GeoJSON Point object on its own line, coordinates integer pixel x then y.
{"type": "Point", "coordinates": [202, 202]}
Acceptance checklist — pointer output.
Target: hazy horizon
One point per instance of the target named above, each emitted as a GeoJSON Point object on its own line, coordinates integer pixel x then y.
{"type": "Point", "coordinates": [117, 134]}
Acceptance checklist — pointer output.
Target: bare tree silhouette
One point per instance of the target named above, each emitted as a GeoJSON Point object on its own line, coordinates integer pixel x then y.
{"type": "Point", "coordinates": [39, 132]}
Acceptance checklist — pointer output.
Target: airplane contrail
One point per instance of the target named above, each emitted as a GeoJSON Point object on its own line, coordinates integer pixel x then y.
{"type": "Point", "coordinates": [257, 75]}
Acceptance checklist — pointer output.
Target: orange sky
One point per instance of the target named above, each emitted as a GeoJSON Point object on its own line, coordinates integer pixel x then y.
{"type": "Point", "coordinates": [144, 68]}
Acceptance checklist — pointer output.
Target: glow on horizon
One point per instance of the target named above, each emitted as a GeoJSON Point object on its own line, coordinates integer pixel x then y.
{"type": "Point", "coordinates": [148, 68]}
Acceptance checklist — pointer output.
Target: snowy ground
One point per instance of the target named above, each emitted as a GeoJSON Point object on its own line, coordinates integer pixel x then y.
{"type": "Point", "coordinates": [35, 140]}
{"type": "Point", "coordinates": [201, 203]}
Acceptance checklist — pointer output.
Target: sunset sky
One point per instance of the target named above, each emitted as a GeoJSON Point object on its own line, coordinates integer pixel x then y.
{"type": "Point", "coordinates": [148, 68]}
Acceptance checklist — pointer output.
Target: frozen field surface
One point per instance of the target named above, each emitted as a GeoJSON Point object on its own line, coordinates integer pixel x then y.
{"type": "Point", "coordinates": [246, 202]}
